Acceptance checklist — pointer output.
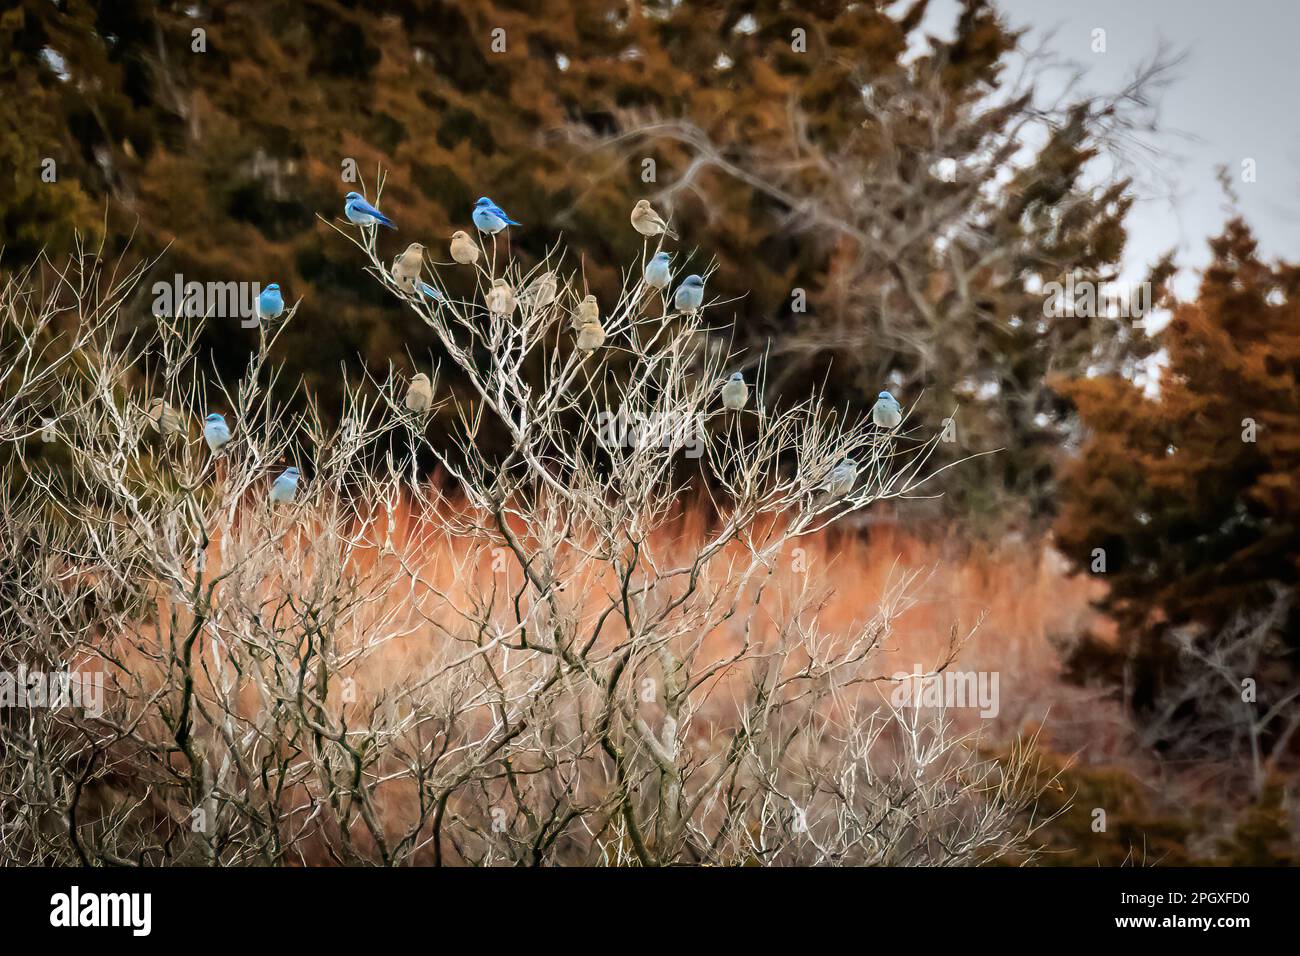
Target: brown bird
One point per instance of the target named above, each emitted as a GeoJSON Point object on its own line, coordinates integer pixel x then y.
{"type": "Point", "coordinates": [406, 267]}
{"type": "Point", "coordinates": [464, 249]}
{"type": "Point", "coordinates": [501, 299]}
{"type": "Point", "coordinates": [165, 418]}
{"type": "Point", "coordinates": [542, 292]}
{"type": "Point", "coordinates": [588, 311]}
{"type": "Point", "coordinates": [591, 337]}
{"type": "Point", "coordinates": [419, 394]}
{"type": "Point", "coordinates": [648, 222]}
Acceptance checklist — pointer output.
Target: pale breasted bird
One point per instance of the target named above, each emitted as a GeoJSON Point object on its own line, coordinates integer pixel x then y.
{"type": "Point", "coordinates": [658, 271]}
{"type": "Point", "coordinates": [285, 488]}
{"type": "Point", "coordinates": [842, 478]}
{"type": "Point", "coordinates": [216, 432]}
{"type": "Point", "coordinates": [501, 298]}
{"type": "Point", "coordinates": [165, 419]}
{"type": "Point", "coordinates": [735, 393]}
{"type": "Point", "coordinates": [587, 312]}
{"type": "Point", "coordinates": [406, 267]}
{"type": "Point", "coordinates": [464, 249]}
{"type": "Point", "coordinates": [648, 222]}
{"type": "Point", "coordinates": [542, 292]}
{"type": "Point", "coordinates": [591, 337]}
{"type": "Point", "coordinates": [887, 413]}
{"type": "Point", "coordinates": [690, 294]}
{"type": "Point", "coordinates": [419, 394]}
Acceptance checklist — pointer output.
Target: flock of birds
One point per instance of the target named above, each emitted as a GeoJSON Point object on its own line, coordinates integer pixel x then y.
{"type": "Point", "coordinates": [490, 219]}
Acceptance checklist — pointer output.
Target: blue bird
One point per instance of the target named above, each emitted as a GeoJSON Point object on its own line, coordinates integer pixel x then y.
{"type": "Point", "coordinates": [887, 413]}
{"type": "Point", "coordinates": [690, 295]}
{"type": "Point", "coordinates": [216, 432]}
{"type": "Point", "coordinates": [491, 218]}
{"type": "Point", "coordinates": [362, 213]}
{"type": "Point", "coordinates": [658, 272]}
{"type": "Point", "coordinates": [270, 304]}
{"type": "Point", "coordinates": [429, 292]}
{"type": "Point", "coordinates": [285, 488]}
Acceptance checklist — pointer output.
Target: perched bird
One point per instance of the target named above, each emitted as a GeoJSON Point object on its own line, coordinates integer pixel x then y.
{"type": "Point", "coordinates": [591, 337]}
{"type": "Point", "coordinates": [464, 249]}
{"type": "Point", "coordinates": [887, 413]}
{"type": "Point", "coordinates": [735, 393]}
{"type": "Point", "coordinates": [690, 294]}
{"type": "Point", "coordinates": [429, 292]}
{"type": "Point", "coordinates": [648, 222]}
{"type": "Point", "coordinates": [406, 267]}
{"type": "Point", "coordinates": [842, 478]}
{"type": "Point", "coordinates": [216, 432]}
{"type": "Point", "coordinates": [165, 419]}
{"type": "Point", "coordinates": [362, 213]}
{"type": "Point", "coordinates": [588, 311]}
{"type": "Point", "coordinates": [658, 271]}
{"type": "Point", "coordinates": [501, 298]}
{"type": "Point", "coordinates": [491, 218]}
{"type": "Point", "coordinates": [542, 292]}
{"type": "Point", "coordinates": [419, 394]}
{"type": "Point", "coordinates": [270, 304]}
{"type": "Point", "coordinates": [285, 488]}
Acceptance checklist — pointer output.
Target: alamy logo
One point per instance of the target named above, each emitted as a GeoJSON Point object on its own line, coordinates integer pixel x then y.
{"type": "Point", "coordinates": [1084, 299]}
{"type": "Point", "coordinates": [220, 300]}
{"type": "Point", "coordinates": [974, 689]}
{"type": "Point", "coordinates": [75, 908]}
{"type": "Point", "coordinates": [624, 429]}
{"type": "Point", "coordinates": [40, 690]}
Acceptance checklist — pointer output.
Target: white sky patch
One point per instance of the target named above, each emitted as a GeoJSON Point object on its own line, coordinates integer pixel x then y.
{"type": "Point", "coordinates": [55, 61]}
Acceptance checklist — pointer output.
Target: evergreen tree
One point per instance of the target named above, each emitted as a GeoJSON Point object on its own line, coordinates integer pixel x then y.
{"type": "Point", "coordinates": [1188, 498]}
{"type": "Point", "coordinates": [878, 221]}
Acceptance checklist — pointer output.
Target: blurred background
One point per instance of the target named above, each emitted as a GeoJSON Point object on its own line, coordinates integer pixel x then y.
{"type": "Point", "coordinates": [892, 194]}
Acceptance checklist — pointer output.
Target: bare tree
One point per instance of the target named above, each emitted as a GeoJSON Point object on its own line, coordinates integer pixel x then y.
{"type": "Point", "coordinates": [1220, 674]}
{"type": "Point", "coordinates": [530, 670]}
{"type": "Point", "coordinates": [933, 226]}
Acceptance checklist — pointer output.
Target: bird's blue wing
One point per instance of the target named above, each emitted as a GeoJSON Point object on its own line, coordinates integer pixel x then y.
{"type": "Point", "coordinates": [498, 211]}
{"type": "Point", "coordinates": [365, 207]}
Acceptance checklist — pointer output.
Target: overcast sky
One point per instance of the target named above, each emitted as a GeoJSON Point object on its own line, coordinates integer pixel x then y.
{"type": "Point", "coordinates": [1231, 99]}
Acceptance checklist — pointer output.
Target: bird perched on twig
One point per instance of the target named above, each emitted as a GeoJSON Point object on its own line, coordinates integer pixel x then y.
{"type": "Point", "coordinates": [841, 479]}
{"type": "Point", "coordinates": [887, 413]}
{"type": "Point", "coordinates": [419, 394]}
{"type": "Point", "coordinates": [270, 304]}
{"type": "Point", "coordinates": [165, 419]}
{"type": "Point", "coordinates": [690, 294]}
{"type": "Point", "coordinates": [591, 337]}
{"type": "Point", "coordinates": [216, 432]}
{"type": "Point", "coordinates": [285, 488]}
{"type": "Point", "coordinates": [648, 222]}
{"type": "Point", "coordinates": [464, 249]}
{"type": "Point", "coordinates": [658, 271]}
{"type": "Point", "coordinates": [501, 299]}
{"type": "Point", "coordinates": [588, 311]}
{"type": "Point", "coordinates": [362, 213]}
{"type": "Point", "coordinates": [735, 393]}
{"type": "Point", "coordinates": [542, 292]}
{"type": "Point", "coordinates": [406, 267]}
{"type": "Point", "coordinates": [491, 218]}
